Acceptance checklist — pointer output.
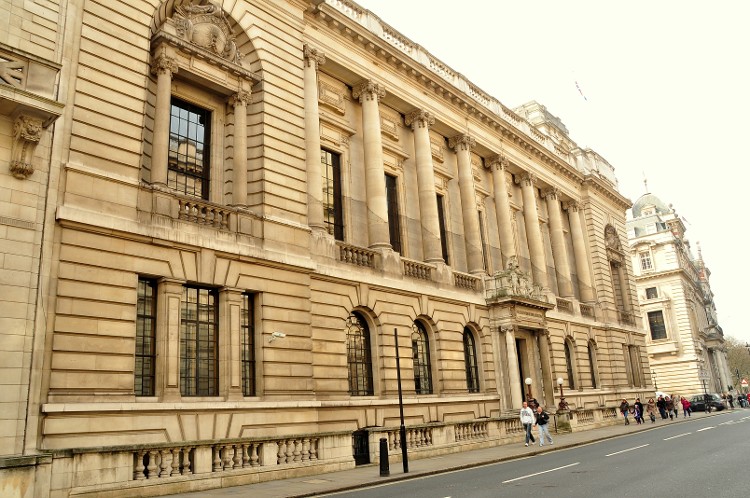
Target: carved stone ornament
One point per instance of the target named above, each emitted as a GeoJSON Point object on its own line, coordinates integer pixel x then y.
{"type": "Point", "coordinates": [207, 27]}
{"type": "Point", "coordinates": [498, 162]}
{"type": "Point", "coordinates": [611, 238]}
{"type": "Point", "coordinates": [526, 179]}
{"type": "Point", "coordinates": [163, 64]}
{"type": "Point", "coordinates": [368, 90]}
{"type": "Point", "coordinates": [313, 56]}
{"type": "Point", "coordinates": [419, 119]}
{"type": "Point", "coordinates": [27, 132]}
{"type": "Point", "coordinates": [241, 98]}
{"type": "Point", "coordinates": [572, 206]}
{"type": "Point", "coordinates": [551, 193]}
{"type": "Point", "coordinates": [462, 142]}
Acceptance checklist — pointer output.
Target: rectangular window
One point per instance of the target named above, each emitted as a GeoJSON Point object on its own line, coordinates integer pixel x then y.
{"type": "Point", "coordinates": [333, 213]}
{"type": "Point", "coordinates": [441, 221]}
{"type": "Point", "coordinates": [189, 149]}
{"type": "Point", "coordinates": [247, 330]}
{"type": "Point", "coordinates": [651, 293]}
{"type": "Point", "coordinates": [656, 324]}
{"type": "Point", "coordinates": [199, 326]}
{"type": "Point", "coordinates": [646, 261]}
{"type": "Point", "coordinates": [394, 222]}
{"type": "Point", "coordinates": [483, 239]}
{"type": "Point", "coordinates": [145, 339]}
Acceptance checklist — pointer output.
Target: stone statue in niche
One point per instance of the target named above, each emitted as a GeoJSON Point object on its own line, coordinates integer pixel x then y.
{"type": "Point", "coordinates": [207, 27]}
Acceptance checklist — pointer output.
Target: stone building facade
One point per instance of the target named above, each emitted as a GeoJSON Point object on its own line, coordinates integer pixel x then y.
{"type": "Point", "coordinates": [224, 225]}
{"type": "Point", "coordinates": [685, 342]}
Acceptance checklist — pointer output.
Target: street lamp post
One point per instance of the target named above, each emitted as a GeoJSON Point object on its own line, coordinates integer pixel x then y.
{"type": "Point", "coordinates": [653, 379]}
{"type": "Point", "coordinates": [528, 388]}
{"type": "Point", "coordinates": [706, 399]}
{"type": "Point", "coordinates": [402, 429]}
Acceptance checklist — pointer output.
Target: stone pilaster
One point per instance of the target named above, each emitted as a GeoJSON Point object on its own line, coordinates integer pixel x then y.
{"type": "Point", "coordinates": [313, 59]}
{"type": "Point", "coordinates": [240, 101]}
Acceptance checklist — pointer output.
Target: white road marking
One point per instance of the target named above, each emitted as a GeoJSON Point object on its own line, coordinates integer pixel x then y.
{"type": "Point", "coordinates": [542, 472]}
{"type": "Point", "coordinates": [705, 429]}
{"type": "Point", "coordinates": [678, 435]}
{"type": "Point", "coordinates": [629, 449]}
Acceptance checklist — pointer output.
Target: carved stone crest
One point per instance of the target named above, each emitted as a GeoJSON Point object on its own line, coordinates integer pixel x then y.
{"type": "Point", "coordinates": [207, 27]}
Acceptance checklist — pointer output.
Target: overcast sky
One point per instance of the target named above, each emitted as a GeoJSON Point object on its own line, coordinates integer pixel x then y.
{"type": "Point", "coordinates": [663, 91]}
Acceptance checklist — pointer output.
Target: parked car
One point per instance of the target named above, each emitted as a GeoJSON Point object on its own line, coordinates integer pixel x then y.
{"type": "Point", "coordinates": [698, 402]}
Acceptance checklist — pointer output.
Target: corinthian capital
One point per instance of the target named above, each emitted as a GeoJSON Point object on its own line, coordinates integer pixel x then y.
{"type": "Point", "coordinates": [462, 142]}
{"type": "Point", "coordinates": [163, 64]}
{"type": "Point", "coordinates": [368, 90]}
{"type": "Point", "coordinates": [241, 98]}
{"type": "Point", "coordinates": [572, 206]}
{"type": "Point", "coordinates": [498, 162]}
{"type": "Point", "coordinates": [419, 119]}
{"type": "Point", "coordinates": [551, 193]}
{"type": "Point", "coordinates": [313, 56]}
{"type": "Point", "coordinates": [526, 179]}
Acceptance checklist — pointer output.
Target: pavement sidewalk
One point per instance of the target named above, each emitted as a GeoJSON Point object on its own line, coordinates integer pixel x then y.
{"type": "Point", "coordinates": [366, 475]}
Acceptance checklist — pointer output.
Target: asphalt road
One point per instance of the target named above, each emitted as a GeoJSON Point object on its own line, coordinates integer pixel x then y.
{"type": "Point", "coordinates": [707, 457]}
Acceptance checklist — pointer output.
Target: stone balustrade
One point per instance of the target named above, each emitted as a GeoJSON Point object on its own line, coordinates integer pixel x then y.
{"type": "Point", "coordinates": [354, 255]}
{"type": "Point", "coordinates": [162, 462]}
{"type": "Point", "coordinates": [471, 431]}
{"type": "Point", "coordinates": [203, 213]}
{"type": "Point", "coordinates": [465, 281]}
{"type": "Point", "coordinates": [564, 306]}
{"type": "Point", "coordinates": [416, 437]}
{"type": "Point", "coordinates": [587, 310]}
{"type": "Point", "coordinates": [416, 269]}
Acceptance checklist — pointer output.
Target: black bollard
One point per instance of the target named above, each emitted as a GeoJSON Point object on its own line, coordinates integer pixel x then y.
{"type": "Point", "coordinates": [384, 469]}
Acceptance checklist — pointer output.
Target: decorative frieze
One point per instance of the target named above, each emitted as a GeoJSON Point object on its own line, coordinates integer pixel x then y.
{"type": "Point", "coordinates": [332, 94]}
{"type": "Point", "coordinates": [390, 123]}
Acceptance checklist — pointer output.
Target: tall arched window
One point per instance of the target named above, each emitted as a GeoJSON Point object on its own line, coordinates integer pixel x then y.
{"type": "Point", "coordinates": [470, 358]}
{"type": "Point", "coordinates": [592, 364]}
{"type": "Point", "coordinates": [569, 365]}
{"type": "Point", "coordinates": [420, 350]}
{"type": "Point", "coordinates": [358, 356]}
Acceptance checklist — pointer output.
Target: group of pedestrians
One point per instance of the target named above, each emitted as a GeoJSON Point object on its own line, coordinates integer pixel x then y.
{"type": "Point", "coordinates": [539, 419]}
{"type": "Point", "coordinates": [668, 407]}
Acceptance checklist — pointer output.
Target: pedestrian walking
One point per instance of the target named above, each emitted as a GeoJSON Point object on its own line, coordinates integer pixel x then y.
{"type": "Point", "coordinates": [685, 407]}
{"type": "Point", "coordinates": [730, 398]}
{"type": "Point", "coordinates": [669, 402]}
{"type": "Point", "coordinates": [625, 409]}
{"type": "Point", "coordinates": [676, 403]}
{"type": "Point", "coordinates": [661, 404]}
{"type": "Point", "coordinates": [527, 419]}
{"type": "Point", "coordinates": [542, 419]}
{"type": "Point", "coordinates": [651, 409]}
{"type": "Point", "coordinates": [638, 406]}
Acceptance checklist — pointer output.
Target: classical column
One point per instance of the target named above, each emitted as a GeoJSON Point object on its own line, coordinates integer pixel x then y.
{"type": "Point", "coordinates": [559, 249]}
{"type": "Point", "coordinates": [462, 145]}
{"type": "Point", "coordinates": [313, 59]}
{"type": "Point", "coordinates": [580, 252]}
{"type": "Point", "coordinates": [533, 231]}
{"type": "Point", "coordinates": [369, 94]}
{"type": "Point", "coordinates": [718, 361]}
{"type": "Point", "coordinates": [420, 122]}
{"type": "Point", "coordinates": [239, 101]}
{"type": "Point", "coordinates": [163, 67]}
{"type": "Point", "coordinates": [499, 165]}
{"type": "Point", "coordinates": [514, 376]}
{"type": "Point", "coordinates": [544, 358]}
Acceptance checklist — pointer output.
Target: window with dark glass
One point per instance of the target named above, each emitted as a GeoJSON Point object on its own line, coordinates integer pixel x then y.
{"type": "Point", "coordinates": [569, 366]}
{"type": "Point", "coordinates": [592, 365]}
{"type": "Point", "coordinates": [470, 360]}
{"type": "Point", "coordinates": [651, 293]}
{"type": "Point", "coordinates": [394, 221]}
{"type": "Point", "coordinates": [333, 213]}
{"type": "Point", "coordinates": [189, 149]}
{"type": "Point", "coordinates": [420, 348]}
{"type": "Point", "coordinates": [358, 356]}
{"type": "Point", "coordinates": [145, 339]}
{"type": "Point", "coordinates": [656, 324]}
{"type": "Point", "coordinates": [199, 343]}
{"type": "Point", "coordinates": [441, 221]}
{"type": "Point", "coordinates": [247, 340]}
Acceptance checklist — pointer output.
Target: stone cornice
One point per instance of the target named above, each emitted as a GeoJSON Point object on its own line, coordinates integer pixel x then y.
{"type": "Point", "coordinates": [602, 187]}
{"type": "Point", "coordinates": [393, 49]}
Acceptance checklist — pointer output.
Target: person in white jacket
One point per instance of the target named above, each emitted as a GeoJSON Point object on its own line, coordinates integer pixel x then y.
{"type": "Point", "coordinates": [527, 419]}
